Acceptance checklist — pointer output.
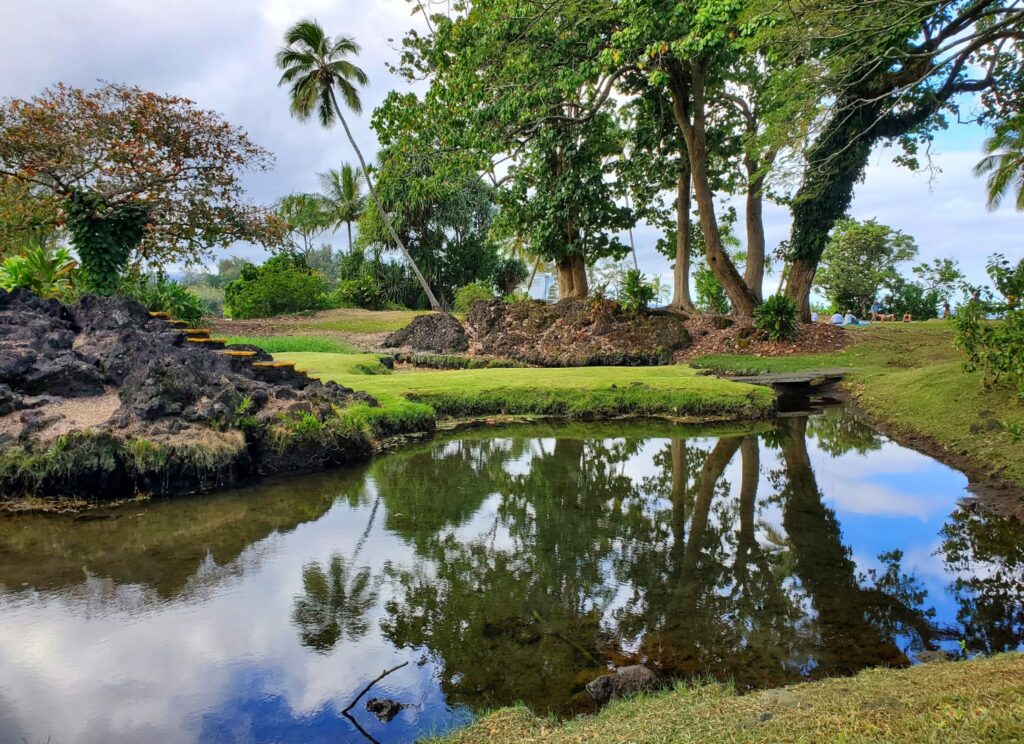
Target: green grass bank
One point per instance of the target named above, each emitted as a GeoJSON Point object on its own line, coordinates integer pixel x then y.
{"type": "Point", "coordinates": [675, 391]}
{"type": "Point", "coordinates": [910, 378]}
{"type": "Point", "coordinates": [964, 701]}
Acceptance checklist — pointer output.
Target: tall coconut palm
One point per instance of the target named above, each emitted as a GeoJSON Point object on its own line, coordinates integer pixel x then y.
{"type": "Point", "coordinates": [314, 65]}
{"type": "Point", "coordinates": [342, 188]}
{"type": "Point", "coordinates": [1004, 163]}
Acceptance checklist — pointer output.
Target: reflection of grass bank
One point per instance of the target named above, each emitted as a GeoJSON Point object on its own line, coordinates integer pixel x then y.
{"type": "Point", "coordinates": [911, 378]}
{"type": "Point", "coordinates": [572, 392]}
{"type": "Point", "coordinates": [954, 702]}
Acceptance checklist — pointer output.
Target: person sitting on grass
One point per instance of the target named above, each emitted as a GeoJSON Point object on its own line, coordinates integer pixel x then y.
{"type": "Point", "coordinates": [849, 319]}
{"type": "Point", "coordinates": [837, 318]}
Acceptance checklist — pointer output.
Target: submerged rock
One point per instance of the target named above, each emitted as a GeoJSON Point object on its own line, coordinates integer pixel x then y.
{"type": "Point", "coordinates": [623, 682]}
{"type": "Point", "coordinates": [385, 709]}
{"type": "Point", "coordinates": [437, 332]}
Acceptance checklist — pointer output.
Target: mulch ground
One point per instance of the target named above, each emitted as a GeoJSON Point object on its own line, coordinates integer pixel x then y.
{"type": "Point", "coordinates": [812, 338]}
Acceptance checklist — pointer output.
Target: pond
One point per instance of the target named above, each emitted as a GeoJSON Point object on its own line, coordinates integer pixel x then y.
{"type": "Point", "coordinates": [503, 566]}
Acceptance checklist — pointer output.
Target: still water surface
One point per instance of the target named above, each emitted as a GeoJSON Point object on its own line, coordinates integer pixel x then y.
{"type": "Point", "coordinates": [503, 566]}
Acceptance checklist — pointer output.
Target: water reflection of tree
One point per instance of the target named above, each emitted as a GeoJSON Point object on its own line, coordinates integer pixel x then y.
{"type": "Point", "coordinates": [857, 626]}
{"type": "Point", "coordinates": [334, 603]}
{"type": "Point", "coordinates": [987, 553]}
{"type": "Point", "coordinates": [837, 431]}
{"type": "Point", "coordinates": [584, 564]}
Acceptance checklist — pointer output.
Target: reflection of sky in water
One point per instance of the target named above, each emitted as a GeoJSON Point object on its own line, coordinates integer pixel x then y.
{"type": "Point", "coordinates": [222, 661]}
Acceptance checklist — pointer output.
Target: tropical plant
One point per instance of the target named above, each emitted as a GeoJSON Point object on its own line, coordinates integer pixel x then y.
{"type": "Point", "coordinates": [49, 272]}
{"type": "Point", "coordinates": [1004, 163]}
{"type": "Point", "coordinates": [711, 296]}
{"type": "Point", "coordinates": [314, 65]}
{"type": "Point", "coordinates": [636, 293]}
{"type": "Point", "coordinates": [158, 293]}
{"type": "Point", "coordinates": [467, 295]}
{"type": "Point", "coordinates": [306, 218]}
{"type": "Point", "coordinates": [342, 190]}
{"type": "Point", "coordinates": [508, 274]}
{"type": "Point", "coordinates": [777, 317]}
{"type": "Point", "coordinates": [283, 284]}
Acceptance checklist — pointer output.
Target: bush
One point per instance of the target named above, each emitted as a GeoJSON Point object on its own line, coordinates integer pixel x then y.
{"type": "Point", "coordinates": [212, 299]}
{"type": "Point", "coordinates": [160, 294]}
{"type": "Point", "coordinates": [996, 348]}
{"type": "Point", "coordinates": [49, 272]}
{"type": "Point", "coordinates": [508, 274]}
{"type": "Point", "coordinates": [910, 297]}
{"type": "Point", "coordinates": [636, 293]}
{"type": "Point", "coordinates": [711, 294]}
{"type": "Point", "coordinates": [360, 292]}
{"type": "Point", "coordinates": [777, 317]}
{"type": "Point", "coordinates": [284, 284]}
{"type": "Point", "coordinates": [466, 296]}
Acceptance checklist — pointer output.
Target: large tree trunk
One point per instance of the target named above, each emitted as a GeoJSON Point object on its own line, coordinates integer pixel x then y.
{"type": "Point", "coordinates": [681, 299]}
{"type": "Point", "coordinates": [695, 135]}
{"type": "Point", "coordinates": [753, 274]}
{"type": "Point", "coordinates": [572, 278]}
{"type": "Point", "coordinates": [434, 304]}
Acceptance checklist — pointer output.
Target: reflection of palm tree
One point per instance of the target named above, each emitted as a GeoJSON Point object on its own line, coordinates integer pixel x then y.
{"type": "Point", "coordinates": [333, 604]}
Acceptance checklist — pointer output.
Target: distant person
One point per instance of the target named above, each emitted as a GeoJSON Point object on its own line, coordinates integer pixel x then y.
{"type": "Point", "coordinates": [907, 317]}
{"type": "Point", "coordinates": [848, 319]}
{"type": "Point", "coordinates": [946, 312]}
{"type": "Point", "coordinates": [876, 311]}
{"type": "Point", "coordinates": [814, 317]}
{"type": "Point", "coordinates": [837, 318]}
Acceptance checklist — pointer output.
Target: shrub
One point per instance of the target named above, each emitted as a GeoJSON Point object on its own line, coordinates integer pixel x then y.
{"type": "Point", "coordinates": [284, 284]}
{"type": "Point", "coordinates": [158, 293]}
{"type": "Point", "coordinates": [359, 292]}
{"type": "Point", "coordinates": [48, 272]}
{"type": "Point", "coordinates": [211, 298]}
{"type": "Point", "coordinates": [910, 297]}
{"type": "Point", "coordinates": [777, 317]}
{"type": "Point", "coordinates": [711, 294]}
{"type": "Point", "coordinates": [636, 293]}
{"type": "Point", "coordinates": [508, 274]}
{"type": "Point", "coordinates": [518, 297]}
{"type": "Point", "coordinates": [466, 296]}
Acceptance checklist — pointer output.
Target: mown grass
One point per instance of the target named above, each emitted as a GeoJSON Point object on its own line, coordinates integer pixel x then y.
{"type": "Point", "coordinates": [277, 344]}
{"type": "Point", "coordinates": [362, 321]}
{"type": "Point", "coordinates": [968, 701]}
{"type": "Point", "coordinates": [910, 377]}
{"type": "Point", "coordinates": [318, 364]}
{"type": "Point", "coordinates": [573, 392]}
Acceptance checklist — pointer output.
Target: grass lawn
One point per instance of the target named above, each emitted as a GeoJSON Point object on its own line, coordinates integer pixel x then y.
{"type": "Point", "coordinates": [362, 321]}
{"type": "Point", "coordinates": [968, 701]}
{"type": "Point", "coordinates": [673, 391]}
{"type": "Point", "coordinates": [276, 344]}
{"type": "Point", "coordinates": [910, 377]}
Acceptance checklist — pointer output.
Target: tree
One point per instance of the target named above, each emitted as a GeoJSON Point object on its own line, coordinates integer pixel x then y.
{"type": "Point", "coordinates": [860, 258]}
{"type": "Point", "coordinates": [314, 65]}
{"type": "Point", "coordinates": [874, 72]}
{"type": "Point", "coordinates": [29, 215]}
{"type": "Point", "coordinates": [342, 188]}
{"type": "Point", "coordinates": [306, 217]}
{"type": "Point", "coordinates": [135, 175]}
{"type": "Point", "coordinates": [512, 86]}
{"type": "Point", "coordinates": [1004, 163]}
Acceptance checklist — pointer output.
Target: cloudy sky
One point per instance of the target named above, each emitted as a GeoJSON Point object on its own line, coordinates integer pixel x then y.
{"type": "Point", "coordinates": [220, 54]}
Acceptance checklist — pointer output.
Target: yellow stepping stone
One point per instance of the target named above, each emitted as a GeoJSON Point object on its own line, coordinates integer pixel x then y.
{"type": "Point", "coordinates": [207, 340]}
{"type": "Point", "coordinates": [195, 331]}
{"type": "Point", "coordinates": [273, 364]}
{"type": "Point", "coordinates": [165, 316]}
{"type": "Point", "coordinates": [237, 354]}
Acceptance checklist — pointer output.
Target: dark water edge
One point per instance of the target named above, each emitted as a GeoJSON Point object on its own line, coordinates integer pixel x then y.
{"type": "Point", "coordinates": [504, 566]}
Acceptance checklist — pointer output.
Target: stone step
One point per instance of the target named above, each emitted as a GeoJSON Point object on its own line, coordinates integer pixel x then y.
{"type": "Point", "coordinates": [235, 354]}
{"type": "Point", "coordinates": [158, 314]}
{"type": "Point", "coordinates": [197, 332]}
{"type": "Point", "coordinates": [213, 343]}
{"type": "Point", "coordinates": [179, 323]}
{"type": "Point", "coordinates": [274, 365]}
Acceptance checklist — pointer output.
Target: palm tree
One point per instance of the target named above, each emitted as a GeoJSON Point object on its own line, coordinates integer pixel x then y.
{"type": "Point", "coordinates": [343, 190]}
{"type": "Point", "coordinates": [1004, 163]}
{"type": "Point", "coordinates": [314, 65]}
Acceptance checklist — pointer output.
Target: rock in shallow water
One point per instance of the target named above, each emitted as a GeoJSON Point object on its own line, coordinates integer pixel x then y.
{"type": "Point", "coordinates": [385, 709]}
{"type": "Point", "coordinates": [623, 682]}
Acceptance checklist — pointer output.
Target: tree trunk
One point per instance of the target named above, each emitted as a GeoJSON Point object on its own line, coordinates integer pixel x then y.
{"type": "Point", "coordinates": [695, 135]}
{"type": "Point", "coordinates": [798, 287]}
{"type": "Point", "coordinates": [753, 274]}
{"type": "Point", "coordinates": [572, 278]}
{"type": "Point", "coordinates": [349, 226]}
{"type": "Point", "coordinates": [533, 275]}
{"type": "Point", "coordinates": [681, 299]}
{"type": "Point", "coordinates": [679, 490]}
{"type": "Point", "coordinates": [434, 304]}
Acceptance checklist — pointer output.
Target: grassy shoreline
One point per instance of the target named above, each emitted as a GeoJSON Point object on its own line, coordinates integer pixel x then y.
{"type": "Point", "coordinates": [910, 380]}
{"type": "Point", "coordinates": [963, 701]}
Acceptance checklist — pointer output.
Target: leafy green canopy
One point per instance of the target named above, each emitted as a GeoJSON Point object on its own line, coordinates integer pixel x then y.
{"type": "Point", "coordinates": [518, 87]}
{"type": "Point", "coordinates": [283, 284]}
